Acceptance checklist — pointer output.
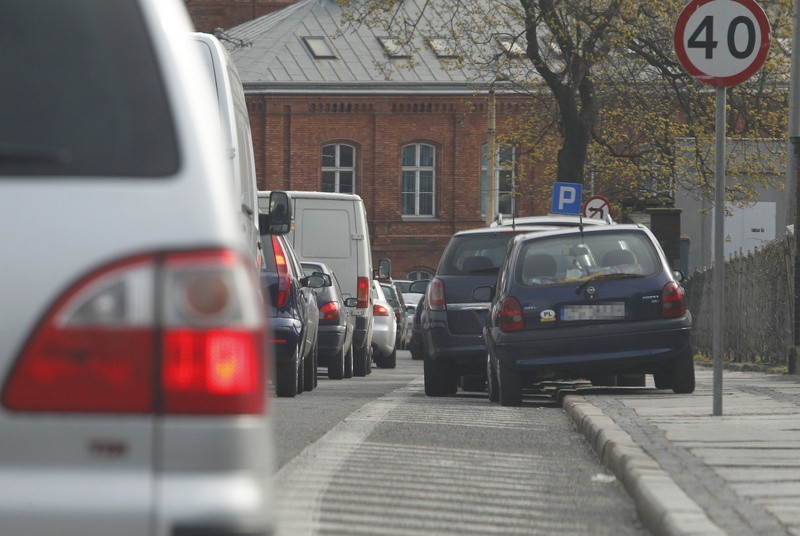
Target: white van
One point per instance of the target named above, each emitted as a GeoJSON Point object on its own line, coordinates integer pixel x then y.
{"type": "Point", "coordinates": [237, 137]}
{"type": "Point", "coordinates": [332, 228]}
{"type": "Point", "coordinates": [134, 376]}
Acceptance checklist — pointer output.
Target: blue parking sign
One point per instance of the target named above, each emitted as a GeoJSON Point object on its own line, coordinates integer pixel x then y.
{"type": "Point", "coordinates": [566, 198]}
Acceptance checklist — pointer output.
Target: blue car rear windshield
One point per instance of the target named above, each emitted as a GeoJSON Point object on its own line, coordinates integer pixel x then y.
{"type": "Point", "coordinates": [81, 93]}
{"type": "Point", "coordinates": [576, 257]}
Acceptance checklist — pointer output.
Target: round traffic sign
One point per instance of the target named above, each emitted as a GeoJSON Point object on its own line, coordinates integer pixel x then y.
{"type": "Point", "coordinates": [596, 207]}
{"type": "Point", "coordinates": [722, 42]}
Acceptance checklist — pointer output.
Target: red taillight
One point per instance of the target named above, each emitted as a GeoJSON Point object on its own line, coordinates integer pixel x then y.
{"type": "Point", "coordinates": [330, 311]}
{"type": "Point", "coordinates": [362, 293]}
{"type": "Point", "coordinates": [510, 315]}
{"type": "Point", "coordinates": [190, 319]}
{"type": "Point", "coordinates": [379, 310]}
{"type": "Point", "coordinates": [673, 301]}
{"type": "Point", "coordinates": [284, 280]}
{"type": "Point", "coordinates": [435, 295]}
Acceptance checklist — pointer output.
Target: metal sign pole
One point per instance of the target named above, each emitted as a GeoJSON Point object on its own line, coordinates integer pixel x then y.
{"type": "Point", "coordinates": [719, 254]}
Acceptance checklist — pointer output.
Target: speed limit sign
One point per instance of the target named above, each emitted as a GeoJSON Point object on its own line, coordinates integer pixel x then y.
{"type": "Point", "coordinates": [722, 42]}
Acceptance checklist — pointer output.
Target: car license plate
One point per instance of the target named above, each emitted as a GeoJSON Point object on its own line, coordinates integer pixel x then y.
{"type": "Point", "coordinates": [594, 311]}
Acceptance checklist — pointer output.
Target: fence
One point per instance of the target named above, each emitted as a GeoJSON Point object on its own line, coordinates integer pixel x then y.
{"type": "Point", "coordinates": [758, 316]}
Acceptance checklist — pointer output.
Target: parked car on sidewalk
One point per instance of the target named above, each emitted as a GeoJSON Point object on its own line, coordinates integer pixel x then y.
{"type": "Point", "coordinates": [291, 305]}
{"type": "Point", "coordinates": [134, 371]}
{"type": "Point", "coordinates": [586, 304]}
{"type": "Point", "coordinates": [384, 330]}
{"type": "Point", "coordinates": [336, 324]}
{"type": "Point", "coordinates": [452, 317]}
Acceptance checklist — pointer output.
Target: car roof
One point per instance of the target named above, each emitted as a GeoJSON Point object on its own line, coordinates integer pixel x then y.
{"type": "Point", "coordinates": [616, 228]}
{"type": "Point", "coordinates": [506, 229]}
{"type": "Point", "coordinates": [561, 220]}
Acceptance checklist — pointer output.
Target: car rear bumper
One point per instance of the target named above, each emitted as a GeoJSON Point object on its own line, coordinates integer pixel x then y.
{"type": "Point", "coordinates": [465, 350]}
{"type": "Point", "coordinates": [287, 336]}
{"type": "Point", "coordinates": [608, 348]}
{"type": "Point", "coordinates": [330, 340]}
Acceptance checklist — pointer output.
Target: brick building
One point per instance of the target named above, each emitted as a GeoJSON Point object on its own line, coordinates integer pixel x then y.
{"type": "Point", "coordinates": [325, 116]}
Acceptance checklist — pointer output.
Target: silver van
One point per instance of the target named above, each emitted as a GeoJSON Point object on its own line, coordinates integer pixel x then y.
{"type": "Point", "coordinates": [236, 136]}
{"type": "Point", "coordinates": [134, 378]}
{"type": "Point", "coordinates": [332, 228]}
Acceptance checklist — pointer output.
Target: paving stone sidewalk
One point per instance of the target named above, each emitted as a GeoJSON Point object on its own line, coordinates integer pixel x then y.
{"type": "Point", "coordinates": [692, 473]}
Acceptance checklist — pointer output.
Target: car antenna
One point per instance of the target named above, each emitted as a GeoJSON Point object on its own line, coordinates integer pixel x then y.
{"type": "Point", "coordinates": [580, 224]}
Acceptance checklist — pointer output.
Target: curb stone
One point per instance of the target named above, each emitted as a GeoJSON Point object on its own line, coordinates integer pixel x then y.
{"type": "Point", "coordinates": [664, 508]}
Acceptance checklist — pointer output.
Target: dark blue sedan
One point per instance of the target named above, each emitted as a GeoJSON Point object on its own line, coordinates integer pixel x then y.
{"type": "Point", "coordinates": [599, 303]}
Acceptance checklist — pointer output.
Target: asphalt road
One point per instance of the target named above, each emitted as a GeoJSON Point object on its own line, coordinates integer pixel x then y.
{"type": "Point", "coordinates": [374, 455]}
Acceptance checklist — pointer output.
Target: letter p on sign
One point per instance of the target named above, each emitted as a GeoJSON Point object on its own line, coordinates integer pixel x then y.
{"type": "Point", "coordinates": [566, 198]}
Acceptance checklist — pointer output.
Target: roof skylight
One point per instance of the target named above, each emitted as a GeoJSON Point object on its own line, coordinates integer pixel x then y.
{"type": "Point", "coordinates": [443, 47]}
{"type": "Point", "coordinates": [319, 47]}
{"type": "Point", "coordinates": [511, 46]}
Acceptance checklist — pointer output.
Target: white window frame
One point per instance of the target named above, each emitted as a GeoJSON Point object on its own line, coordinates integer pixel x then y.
{"type": "Point", "coordinates": [337, 168]}
{"type": "Point", "coordinates": [496, 183]}
{"type": "Point", "coordinates": [417, 169]}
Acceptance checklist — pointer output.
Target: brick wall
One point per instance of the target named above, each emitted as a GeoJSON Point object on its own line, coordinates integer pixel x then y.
{"type": "Point", "coordinates": [289, 132]}
{"type": "Point", "coordinates": [225, 14]}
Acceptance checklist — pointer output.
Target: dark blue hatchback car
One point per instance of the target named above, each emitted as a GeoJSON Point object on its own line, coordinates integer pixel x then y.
{"type": "Point", "coordinates": [596, 303]}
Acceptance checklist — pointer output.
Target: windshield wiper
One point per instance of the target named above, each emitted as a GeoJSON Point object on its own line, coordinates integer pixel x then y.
{"type": "Point", "coordinates": [33, 154]}
{"type": "Point", "coordinates": [605, 275]}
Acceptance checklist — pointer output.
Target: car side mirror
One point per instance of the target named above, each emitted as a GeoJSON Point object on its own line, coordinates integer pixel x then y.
{"type": "Point", "coordinates": [351, 302]}
{"type": "Point", "coordinates": [384, 272]}
{"type": "Point", "coordinates": [678, 275]}
{"type": "Point", "coordinates": [278, 219]}
{"type": "Point", "coordinates": [316, 280]}
{"type": "Point", "coordinates": [483, 294]}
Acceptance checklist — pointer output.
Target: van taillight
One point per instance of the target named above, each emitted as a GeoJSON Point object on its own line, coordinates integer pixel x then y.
{"type": "Point", "coordinates": [284, 280]}
{"type": "Point", "coordinates": [330, 311]}
{"type": "Point", "coordinates": [673, 301]}
{"type": "Point", "coordinates": [435, 295]}
{"type": "Point", "coordinates": [177, 333]}
{"type": "Point", "coordinates": [362, 293]}
{"type": "Point", "coordinates": [510, 315]}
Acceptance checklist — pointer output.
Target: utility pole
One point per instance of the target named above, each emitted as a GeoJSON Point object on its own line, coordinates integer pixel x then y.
{"type": "Point", "coordinates": [792, 145]}
{"type": "Point", "coordinates": [490, 154]}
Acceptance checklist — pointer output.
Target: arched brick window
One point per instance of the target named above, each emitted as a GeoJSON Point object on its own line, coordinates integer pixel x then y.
{"type": "Point", "coordinates": [339, 168]}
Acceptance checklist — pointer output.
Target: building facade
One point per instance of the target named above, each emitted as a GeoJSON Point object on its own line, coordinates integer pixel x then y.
{"type": "Point", "coordinates": [326, 117]}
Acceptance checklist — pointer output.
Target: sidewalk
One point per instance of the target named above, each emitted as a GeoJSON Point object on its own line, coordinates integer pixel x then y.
{"type": "Point", "coordinates": [691, 473]}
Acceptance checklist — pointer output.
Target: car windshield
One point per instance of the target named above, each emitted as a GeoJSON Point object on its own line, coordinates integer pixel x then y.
{"type": "Point", "coordinates": [575, 257]}
{"type": "Point", "coordinates": [472, 254]}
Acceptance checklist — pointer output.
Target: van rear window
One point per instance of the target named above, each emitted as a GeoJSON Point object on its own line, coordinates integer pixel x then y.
{"type": "Point", "coordinates": [82, 94]}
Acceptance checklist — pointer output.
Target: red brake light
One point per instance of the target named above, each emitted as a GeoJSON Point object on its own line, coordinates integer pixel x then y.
{"type": "Point", "coordinates": [379, 310]}
{"type": "Point", "coordinates": [435, 297]}
{"type": "Point", "coordinates": [362, 293]}
{"type": "Point", "coordinates": [330, 311]}
{"type": "Point", "coordinates": [99, 349]}
{"type": "Point", "coordinates": [673, 301]}
{"type": "Point", "coordinates": [284, 280]}
{"type": "Point", "coordinates": [510, 317]}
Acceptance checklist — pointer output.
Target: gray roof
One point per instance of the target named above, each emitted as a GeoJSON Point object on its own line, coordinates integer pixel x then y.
{"type": "Point", "coordinates": [277, 59]}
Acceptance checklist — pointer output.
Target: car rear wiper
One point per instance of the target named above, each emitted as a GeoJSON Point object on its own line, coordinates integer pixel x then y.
{"type": "Point", "coordinates": [606, 275]}
{"type": "Point", "coordinates": [33, 154]}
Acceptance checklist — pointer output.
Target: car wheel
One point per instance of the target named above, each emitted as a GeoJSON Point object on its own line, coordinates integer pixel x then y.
{"type": "Point", "coordinates": [439, 379]}
{"type": "Point", "coordinates": [662, 379]}
{"type": "Point", "coordinates": [286, 380]}
{"type": "Point", "coordinates": [361, 360]}
{"type": "Point", "coordinates": [336, 365]}
{"type": "Point", "coordinates": [309, 369]}
{"type": "Point", "coordinates": [510, 383]}
{"type": "Point", "coordinates": [683, 374]}
{"type": "Point", "coordinates": [301, 376]}
{"type": "Point", "coordinates": [348, 362]}
{"type": "Point", "coordinates": [473, 384]}
{"type": "Point", "coordinates": [491, 380]}
{"type": "Point", "coordinates": [389, 361]}
{"type": "Point", "coordinates": [631, 380]}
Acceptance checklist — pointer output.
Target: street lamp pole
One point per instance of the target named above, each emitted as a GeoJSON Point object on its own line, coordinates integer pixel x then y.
{"type": "Point", "coordinates": [490, 154]}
